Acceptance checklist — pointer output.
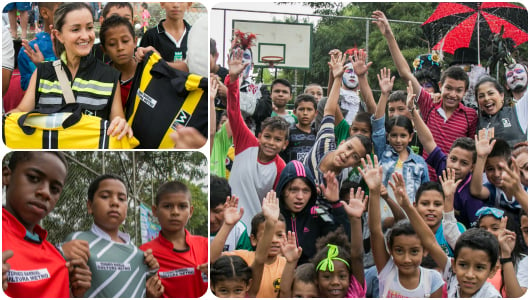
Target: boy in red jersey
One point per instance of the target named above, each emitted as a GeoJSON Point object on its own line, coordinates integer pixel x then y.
{"type": "Point", "coordinates": [31, 266]}
{"type": "Point", "coordinates": [183, 257]}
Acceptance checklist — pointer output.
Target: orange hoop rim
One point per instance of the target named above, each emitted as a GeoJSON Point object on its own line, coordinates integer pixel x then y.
{"type": "Point", "coordinates": [272, 59]}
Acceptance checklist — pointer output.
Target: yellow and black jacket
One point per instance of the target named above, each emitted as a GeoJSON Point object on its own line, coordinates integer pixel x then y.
{"type": "Point", "coordinates": [162, 98]}
{"type": "Point", "coordinates": [94, 87]}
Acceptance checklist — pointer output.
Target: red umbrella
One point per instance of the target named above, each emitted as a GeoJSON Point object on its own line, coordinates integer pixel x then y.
{"type": "Point", "coordinates": [456, 25]}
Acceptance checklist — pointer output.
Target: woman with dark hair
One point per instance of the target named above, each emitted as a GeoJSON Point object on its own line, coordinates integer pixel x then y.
{"type": "Point", "coordinates": [94, 84]}
{"type": "Point", "coordinates": [494, 114]}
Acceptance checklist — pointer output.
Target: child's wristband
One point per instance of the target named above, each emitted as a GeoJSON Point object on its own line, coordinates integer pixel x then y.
{"type": "Point", "coordinates": [505, 260]}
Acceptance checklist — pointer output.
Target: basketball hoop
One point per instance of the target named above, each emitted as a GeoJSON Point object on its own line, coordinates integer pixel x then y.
{"type": "Point", "coordinates": [272, 60]}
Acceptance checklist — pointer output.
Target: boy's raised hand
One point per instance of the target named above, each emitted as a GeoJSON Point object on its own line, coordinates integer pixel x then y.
{"type": "Point", "coordinates": [150, 260]}
{"type": "Point", "coordinates": [232, 214]}
{"type": "Point", "coordinates": [384, 193]}
{"type": "Point", "coordinates": [36, 55]}
{"type": "Point", "coordinates": [448, 182]}
{"type": "Point", "coordinates": [235, 63]}
{"type": "Point", "coordinates": [336, 64]}
{"type": "Point", "coordinates": [290, 251]}
{"type": "Point", "coordinates": [154, 287]}
{"type": "Point", "coordinates": [506, 239]}
{"type": "Point", "coordinates": [5, 267]}
{"type": "Point", "coordinates": [410, 96]}
{"type": "Point", "coordinates": [80, 276]}
{"type": "Point", "coordinates": [331, 189]}
{"type": "Point", "coordinates": [357, 205]}
{"type": "Point", "coordinates": [271, 207]}
{"type": "Point", "coordinates": [386, 80]}
{"type": "Point", "coordinates": [510, 178]}
{"type": "Point", "coordinates": [381, 22]}
{"type": "Point", "coordinates": [399, 189]}
{"type": "Point", "coordinates": [334, 52]}
{"type": "Point", "coordinates": [358, 61]}
{"type": "Point", "coordinates": [214, 86]}
{"type": "Point", "coordinates": [482, 142]}
{"type": "Point", "coordinates": [372, 173]}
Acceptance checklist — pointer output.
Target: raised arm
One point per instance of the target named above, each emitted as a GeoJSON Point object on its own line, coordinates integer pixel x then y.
{"type": "Point", "coordinates": [398, 58]}
{"type": "Point", "coordinates": [507, 240]}
{"type": "Point", "coordinates": [449, 225]}
{"type": "Point", "coordinates": [240, 131]}
{"type": "Point", "coordinates": [355, 210]}
{"type": "Point", "coordinates": [214, 86]}
{"type": "Point", "coordinates": [422, 230]}
{"type": "Point", "coordinates": [292, 254]}
{"type": "Point", "coordinates": [386, 83]}
{"type": "Point", "coordinates": [373, 176]}
{"type": "Point", "coordinates": [396, 210]}
{"type": "Point", "coordinates": [511, 184]}
{"type": "Point", "coordinates": [360, 67]}
{"type": "Point", "coordinates": [484, 147]}
{"type": "Point", "coordinates": [332, 53]}
{"type": "Point", "coordinates": [336, 65]}
{"type": "Point", "coordinates": [378, 120]}
{"type": "Point", "coordinates": [232, 215]}
{"type": "Point", "coordinates": [271, 212]}
{"type": "Point", "coordinates": [424, 133]}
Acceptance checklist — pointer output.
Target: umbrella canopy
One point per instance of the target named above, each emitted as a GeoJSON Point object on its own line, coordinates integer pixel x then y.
{"type": "Point", "coordinates": [457, 25]}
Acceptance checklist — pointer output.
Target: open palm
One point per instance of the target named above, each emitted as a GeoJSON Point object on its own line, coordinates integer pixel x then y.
{"type": "Point", "coordinates": [231, 213]}
{"type": "Point", "coordinates": [235, 62]}
{"type": "Point", "coordinates": [357, 203]}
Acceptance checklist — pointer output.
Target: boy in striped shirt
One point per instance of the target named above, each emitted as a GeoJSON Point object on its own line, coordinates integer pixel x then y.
{"type": "Point", "coordinates": [449, 119]}
{"type": "Point", "coordinates": [119, 269]}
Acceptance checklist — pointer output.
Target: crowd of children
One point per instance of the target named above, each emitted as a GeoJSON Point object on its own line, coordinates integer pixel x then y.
{"type": "Point", "coordinates": [415, 196]}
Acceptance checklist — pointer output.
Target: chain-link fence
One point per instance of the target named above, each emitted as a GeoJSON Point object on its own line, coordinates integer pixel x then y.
{"type": "Point", "coordinates": [142, 172]}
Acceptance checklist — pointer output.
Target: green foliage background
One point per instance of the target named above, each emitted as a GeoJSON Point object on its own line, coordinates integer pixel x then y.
{"type": "Point", "coordinates": [333, 31]}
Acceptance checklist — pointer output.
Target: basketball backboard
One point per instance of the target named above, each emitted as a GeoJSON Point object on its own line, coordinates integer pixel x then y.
{"type": "Point", "coordinates": [292, 41]}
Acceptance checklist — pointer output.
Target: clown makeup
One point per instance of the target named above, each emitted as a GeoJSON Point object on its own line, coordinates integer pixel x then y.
{"type": "Point", "coordinates": [349, 78]}
{"type": "Point", "coordinates": [247, 58]}
{"type": "Point", "coordinates": [516, 77]}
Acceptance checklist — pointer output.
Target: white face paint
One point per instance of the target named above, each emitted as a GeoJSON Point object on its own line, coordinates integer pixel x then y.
{"type": "Point", "coordinates": [516, 77]}
{"type": "Point", "coordinates": [247, 58]}
{"type": "Point", "coordinates": [349, 78]}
